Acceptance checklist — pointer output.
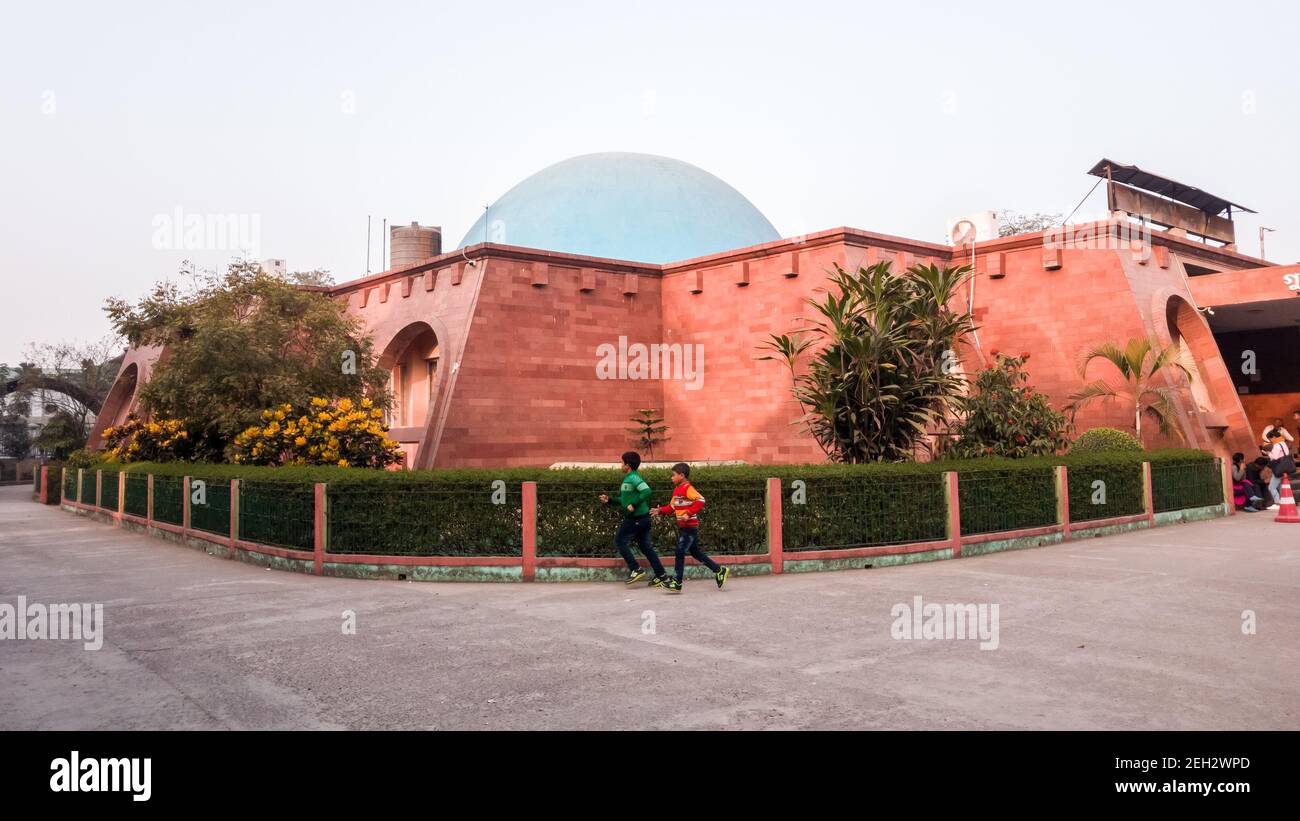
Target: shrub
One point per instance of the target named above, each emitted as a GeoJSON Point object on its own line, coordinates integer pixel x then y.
{"type": "Point", "coordinates": [1003, 416]}
{"type": "Point", "coordinates": [82, 458]}
{"type": "Point", "coordinates": [869, 369]}
{"type": "Point", "coordinates": [135, 440]}
{"type": "Point", "coordinates": [454, 512]}
{"type": "Point", "coordinates": [1106, 440]}
{"type": "Point", "coordinates": [342, 433]}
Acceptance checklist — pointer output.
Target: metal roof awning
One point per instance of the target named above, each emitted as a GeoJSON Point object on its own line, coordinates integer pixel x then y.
{"type": "Point", "coordinates": [1165, 187]}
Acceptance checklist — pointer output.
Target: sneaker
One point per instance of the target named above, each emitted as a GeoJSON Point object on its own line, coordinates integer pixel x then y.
{"type": "Point", "coordinates": [1256, 499]}
{"type": "Point", "coordinates": [672, 586]}
{"type": "Point", "coordinates": [721, 576]}
{"type": "Point", "coordinates": [634, 576]}
{"type": "Point", "coordinates": [659, 581]}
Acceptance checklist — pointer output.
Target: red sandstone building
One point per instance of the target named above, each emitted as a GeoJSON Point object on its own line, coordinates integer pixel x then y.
{"type": "Point", "coordinates": [496, 348]}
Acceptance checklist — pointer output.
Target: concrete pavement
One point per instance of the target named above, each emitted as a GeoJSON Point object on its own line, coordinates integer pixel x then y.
{"type": "Point", "coordinates": [1136, 631]}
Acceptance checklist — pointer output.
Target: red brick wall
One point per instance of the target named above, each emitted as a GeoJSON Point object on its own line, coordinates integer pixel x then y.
{"type": "Point", "coordinates": [527, 392]}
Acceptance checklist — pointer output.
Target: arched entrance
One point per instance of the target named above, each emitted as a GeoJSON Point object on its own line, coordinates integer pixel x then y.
{"type": "Point", "coordinates": [121, 397]}
{"type": "Point", "coordinates": [1216, 416]}
{"type": "Point", "coordinates": [412, 359]}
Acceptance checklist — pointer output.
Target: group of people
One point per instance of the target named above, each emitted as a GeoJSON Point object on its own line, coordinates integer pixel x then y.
{"type": "Point", "coordinates": [1256, 484]}
{"type": "Point", "coordinates": [684, 506]}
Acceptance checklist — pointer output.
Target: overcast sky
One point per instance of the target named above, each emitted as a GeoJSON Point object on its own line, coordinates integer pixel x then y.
{"type": "Point", "coordinates": [308, 117]}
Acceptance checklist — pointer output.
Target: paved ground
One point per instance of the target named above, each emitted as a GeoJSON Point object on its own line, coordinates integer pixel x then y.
{"type": "Point", "coordinates": [1137, 631]}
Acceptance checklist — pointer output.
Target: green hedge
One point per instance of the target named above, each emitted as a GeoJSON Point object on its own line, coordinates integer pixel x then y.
{"type": "Point", "coordinates": [274, 513]}
{"type": "Point", "coordinates": [571, 521]}
{"type": "Point", "coordinates": [211, 512]}
{"type": "Point", "coordinates": [137, 495]}
{"type": "Point", "coordinates": [108, 489]}
{"type": "Point", "coordinates": [426, 519]}
{"type": "Point", "coordinates": [863, 511]}
{"type": "Point", "coordinates": [70, 484]}
{"type": "Point", "coordinates": [1120, 493]}
{"type": "Point", "coordinates": [1180, 484]}
{"type": "Point", "coordinates": [457, 512]}
{"type": "Point", "coordinates": [168, 500]}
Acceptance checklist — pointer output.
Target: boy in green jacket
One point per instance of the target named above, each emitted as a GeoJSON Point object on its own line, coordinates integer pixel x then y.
{"type": "Point", "coordinates": [633, 500]}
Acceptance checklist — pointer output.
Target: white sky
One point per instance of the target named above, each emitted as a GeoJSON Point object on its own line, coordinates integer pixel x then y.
{"type": "Point", "coordinates": [888, 117]}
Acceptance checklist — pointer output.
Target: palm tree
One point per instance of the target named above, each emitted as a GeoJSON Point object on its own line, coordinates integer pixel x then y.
{"type": "Point", "coordinates": [1140, 363]}
{"type": "Point", "coordinates": [874, 360]}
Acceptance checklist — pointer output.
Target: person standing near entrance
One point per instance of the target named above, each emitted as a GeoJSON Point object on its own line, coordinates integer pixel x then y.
{"type": "Point", "coordinates": [1280, 460]}
{"type": "Point", "coordinates": [1276, 424]}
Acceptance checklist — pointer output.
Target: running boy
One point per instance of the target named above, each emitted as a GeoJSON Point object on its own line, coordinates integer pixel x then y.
{"type": "Point", "coordinates": [633, 498]}
{"type": "Point", "coordinates": [686, 505]}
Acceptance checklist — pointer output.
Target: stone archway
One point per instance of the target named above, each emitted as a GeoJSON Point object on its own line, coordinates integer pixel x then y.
{"type": "Point", "coordinates": [117, 405]}
{"type": "Point", "coordinates": [1215, 417]}
{"type": "Point", "coordinates": [413, 359]}
{"type": "Point", "coordinates": [121, 397]}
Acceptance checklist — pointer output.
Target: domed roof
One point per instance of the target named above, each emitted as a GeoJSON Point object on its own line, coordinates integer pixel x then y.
{"type": "Point", "coordinates": [636, 207]}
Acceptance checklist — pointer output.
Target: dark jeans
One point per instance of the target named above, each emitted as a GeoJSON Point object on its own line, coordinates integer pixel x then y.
{"type": "Point", "coordinates": [638, 528]}
{"type": "Point", "coordinates": [688, 541]}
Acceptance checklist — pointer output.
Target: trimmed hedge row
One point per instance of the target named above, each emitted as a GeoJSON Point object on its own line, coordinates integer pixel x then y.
{"type": "Point", "coordinates": [472, 512]}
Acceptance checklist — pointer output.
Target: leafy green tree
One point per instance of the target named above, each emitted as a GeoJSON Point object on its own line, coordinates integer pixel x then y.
{"type": "Point", "coordinates": [242, 341]}
{"type": "Point", "coordinates": [1003, 416]}
{"type": "Point", "coordinates": [62, 434]}
{"type": "Point", "coordinates": [881, 362]}
{"type": "Point", "coordinates": [15, 439]}
{"type": "Point", "coordinates": [73, 377]}
{"type": "Point", "coordinates": [1142, 365]}
{"type": "Point", "coordinates": [649, 431]}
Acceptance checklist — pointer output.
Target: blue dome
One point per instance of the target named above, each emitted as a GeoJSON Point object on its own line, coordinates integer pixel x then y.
{"type": "Point", "coordinates": [636, 207]}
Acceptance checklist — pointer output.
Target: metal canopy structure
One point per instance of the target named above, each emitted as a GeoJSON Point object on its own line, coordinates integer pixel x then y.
{"type": "Point", "coordinates": [1165, 187]}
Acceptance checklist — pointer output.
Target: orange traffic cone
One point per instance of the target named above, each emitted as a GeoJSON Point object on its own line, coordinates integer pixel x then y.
{"type": "Point", "coordinates": [1286, 510]}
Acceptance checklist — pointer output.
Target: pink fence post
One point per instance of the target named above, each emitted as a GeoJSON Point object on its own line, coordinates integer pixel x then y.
{"type": "Point", "coordinates": [234, 512]}
{"type": "Point", "coordinates": [1228, 496]}
{"type": "Point", "coordinates": [952, 501]}
{"type": "Point", "coordinates": [1063, 501]}
{"type": "Point", "coordinates": [775, 546]}
{"type": "Point", "coordinates": [121, 496]}
{"type": "Point", "coordinates": [99, 485]}
{"type": "Point", "coordinates": [319, 522]}
{"type": "Point", "coordinates": [530, 532]}
{"type": "Point", "coordinates": [148, 517]}
{"type": "Point", "coordinates": [185, 505]}
{"type": "Point", "coordinates": [1148, 498]}
{"type": "Point", "coordinates": [45, 480]}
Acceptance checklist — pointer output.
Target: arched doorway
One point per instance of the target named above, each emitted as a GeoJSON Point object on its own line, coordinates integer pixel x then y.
{"type": "Point", "coordinates": [412, 359]}
{"type": "Point", "coordinates": [1216, 421]}
{"type": "Point", "coordinates": [121, 397]}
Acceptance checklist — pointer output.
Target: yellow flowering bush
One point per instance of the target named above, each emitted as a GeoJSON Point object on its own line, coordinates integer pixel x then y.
{"type": "Point", "coordinates": [339, 432]}
{"type": "Point", "coordinates": [155, 440]}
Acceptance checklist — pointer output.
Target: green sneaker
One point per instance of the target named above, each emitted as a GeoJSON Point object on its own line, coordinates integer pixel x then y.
{"type": "Point", "coordinates": [634, 576]}
{"type": "Point", "coordinates": [673, 586]}
{"type": "Point", "coordinates": [721, 576]}
{"type": "Point", "coordinates": [659, 581]}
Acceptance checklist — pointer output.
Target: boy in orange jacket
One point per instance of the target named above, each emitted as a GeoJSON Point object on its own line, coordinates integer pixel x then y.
{"type": "Point", "coordinates": [686, 505]}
